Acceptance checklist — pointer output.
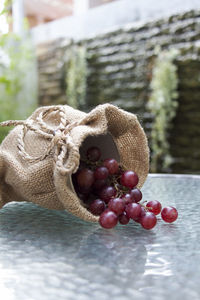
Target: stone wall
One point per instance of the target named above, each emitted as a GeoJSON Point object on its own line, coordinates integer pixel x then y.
{"type": "Point", "coordinates": [120, 70]}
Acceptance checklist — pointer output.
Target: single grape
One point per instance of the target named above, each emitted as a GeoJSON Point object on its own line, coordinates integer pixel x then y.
{"type": "Point", "coordinates": [169, 214]}
{"type": "Point", "coordinates": [136, 194]}
{"type": "Point", "coordinates": [117, 205]}
{"type": "Point", "coordinates": [85, 178]}
{"type": "Point", "coordinates": [112, 165]}
{"type": "Point", "coordinates": [93, 154]}
{"type": "Point", "coordinates": [133, 210]}
{"type": "Point", "coordinates": [99, 184]}
{"type": "Point", "coordinates": [123, 218]}
{"type": "Point", "coordinates": [107, 192]}
{"type": "Point", "coordinates": [148, 221]}
{"type": "Point", "coordinates": [101, 173]}
{"type": "Point", "coordinates": [142, 214]}
{"type": "Point", "coordinates": [108, 219]}
{"type": "Point", "coordinates": [127, 198]}
{"type": "Point", "coordinates": [97, 207]}
{"type": "Point", "coordinates": [129, 179]}
{"type": "Point", "coordinates": [154, 206]}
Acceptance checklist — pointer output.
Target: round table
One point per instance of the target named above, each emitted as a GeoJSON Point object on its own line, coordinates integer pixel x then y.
{"type": "Point", "coordinates": [46, 254]}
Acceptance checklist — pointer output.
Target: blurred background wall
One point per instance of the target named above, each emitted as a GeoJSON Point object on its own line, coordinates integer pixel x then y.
{"type": "Point", "coordinates": [92, 52]}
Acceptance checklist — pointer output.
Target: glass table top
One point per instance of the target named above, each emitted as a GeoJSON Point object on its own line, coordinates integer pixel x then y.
{"type": "Point", "coordinates": [46, 254]}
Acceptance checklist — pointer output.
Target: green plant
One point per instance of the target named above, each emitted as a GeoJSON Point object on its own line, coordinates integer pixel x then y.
{"type": "Point", "coordinates": [18, 78]}
{"type": "Point", "coordinates": [76, 75]}
{"type": "Point", "coordinates": [163, 105]}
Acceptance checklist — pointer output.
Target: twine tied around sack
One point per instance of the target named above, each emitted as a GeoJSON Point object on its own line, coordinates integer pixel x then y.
{"type": "Point", "coordinates": [60, 139]}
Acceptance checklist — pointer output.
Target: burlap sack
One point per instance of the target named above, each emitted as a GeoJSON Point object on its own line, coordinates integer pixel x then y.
{"type": "Point", "coordinates": [39, 155]}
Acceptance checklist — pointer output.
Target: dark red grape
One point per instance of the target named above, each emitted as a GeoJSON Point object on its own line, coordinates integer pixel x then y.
{"type": "Point", "coordinates": [148, 221]}
{"type": "Point", "coordinates": [112, 165]}
{"type": "Point", "coordinates": [101, 173]}
{"type": "Point", "coordinates": [108, 219]}
{"type": "Point", "coordinates": [117, 205]}
{"type": "Point", "coordinates": [142, 214]}
{"type": "Point", "coordinates": [99, 184]}
{"type": "Point", "coordinates": [154, 206]}
{"type": "Point", "coordinates": [133, 210]}
{"type": "Point", "coordinates": [169, 214]}
{"type": "Point", "coordinates": [123, 218]}
{"type": "Point", "coordinates": [93, 154]}
{"type": "Point", "coordinates": [129, 179]}
{"type": "Point", "coordinates": [107, 193]}
{"type": "Point", "coordinates": [97, 207]}
{"type": "Point", "coordinates": [136, 194]}
{"type": "Point", "coordinates": [127, 198]}
{"type": "Point", "coordinates": [85, 178]}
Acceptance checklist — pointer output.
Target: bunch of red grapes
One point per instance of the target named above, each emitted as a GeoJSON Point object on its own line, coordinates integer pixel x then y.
{"type": "Point", "coordinates": [109, 191]}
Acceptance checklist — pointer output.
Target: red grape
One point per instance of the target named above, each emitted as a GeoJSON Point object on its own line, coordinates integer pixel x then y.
{"type": "Point", "coordinates": [136, 194]}
{"type": "Point", "coordinates": [85, 178]}
{"type": "Point", "coordinates": [101, 173]}
{"type": "Point", "coordinates": [169, 214]}
{"type": "Point", "coordinates": [148, 221]}
{"type": "Point", "coordinates": [93, 154]}
{"type": "Point", "coordinates": [133, 210]}
{"type": "Point", "coordinates": [129, 179]}
{"type": "Point", "coordinates": [119, 197]}
{"type": "Point", "coordinates": [108, 219]}
{"type": "Point", "coordinates": [99, 184]}
{"type": "Point", "coordinates": [97, 207]}
{"type": "Point", "coordinates": [154, 206]}
{"type": "Point", "coordinates": [112, 165]}
{"type": "Point", "coordinates": [117, 205]}
{"type": "Point", "coordinates": [127, 198]}
{"type": "Point", "coordinates": [123, 218]}
{"type": "Point", "coordinates": [107, 193]}
{"type": "Point", "coordinates": [142, 214]}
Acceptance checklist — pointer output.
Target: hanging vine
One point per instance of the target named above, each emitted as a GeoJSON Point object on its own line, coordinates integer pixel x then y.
{"type": "Point", "coordinates": [18, 76]}
{"type": "Point", "coordinates": [76, 76]}
{"type": "Point", "coordinates": [163, 105]}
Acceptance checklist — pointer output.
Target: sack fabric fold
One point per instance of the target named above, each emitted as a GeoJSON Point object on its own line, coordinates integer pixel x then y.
{"type": "Point", "coordinates": [38, 156]}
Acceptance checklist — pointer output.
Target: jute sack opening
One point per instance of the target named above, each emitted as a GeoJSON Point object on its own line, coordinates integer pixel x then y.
{"type": "Point", "coordinates": [38, 157]}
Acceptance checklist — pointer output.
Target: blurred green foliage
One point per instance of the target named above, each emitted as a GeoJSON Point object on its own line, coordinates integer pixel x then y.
{"type": "Point", "coordinates": [163, 105]}
{"type": "Point", "coordinates": [76, 76]}
{"type": "Point", "coordinates": [18, 78]}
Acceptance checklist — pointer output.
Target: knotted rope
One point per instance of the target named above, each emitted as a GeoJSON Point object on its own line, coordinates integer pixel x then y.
{"type": "Point", "coordinates": [60, 139]}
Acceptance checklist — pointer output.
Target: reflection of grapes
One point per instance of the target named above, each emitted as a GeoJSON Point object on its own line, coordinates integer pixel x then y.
{"type": "Point", "coordinates": [111, 192]}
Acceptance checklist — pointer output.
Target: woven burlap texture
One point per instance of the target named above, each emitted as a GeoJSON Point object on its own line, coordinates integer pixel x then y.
{"type": "Point", "coordinates": [39, 155]}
